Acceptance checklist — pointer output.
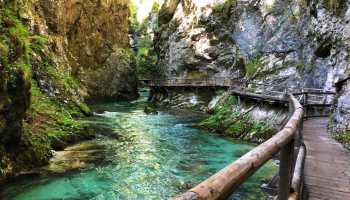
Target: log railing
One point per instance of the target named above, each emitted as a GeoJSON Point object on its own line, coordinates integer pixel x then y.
{"type": "Point", "coordinates": [288, 142]}
{"type": "Point", "coordinates": [224, 182]}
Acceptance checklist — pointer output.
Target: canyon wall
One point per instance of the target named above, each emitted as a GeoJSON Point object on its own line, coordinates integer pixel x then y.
{"type": "Point", "coordinates": [285, 44]}
{"type": "Point", "coordinates": [89, 39]}
{"type": "Point", "coordinates": [54, 56]}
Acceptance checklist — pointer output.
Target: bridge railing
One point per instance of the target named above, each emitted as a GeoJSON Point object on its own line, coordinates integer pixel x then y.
{"type": "Point", "coordinates": [314, 96]}
{"type": "Point", "coordinates": [316, 100]}
{"type": "Point", "coordinates": [225, 182]}
{"type": "Point", "coordinates": [217, 81]}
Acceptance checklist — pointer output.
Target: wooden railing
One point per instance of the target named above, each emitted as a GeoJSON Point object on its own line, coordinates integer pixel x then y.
{"type": "Point", "coordinates": [310, 97]}
{"type": "Point", "coordinates": [217, 82]}
{"type": "Point", "coordinates": [288, 142]}
{"type": "Point", "coordinates": [223, 183]}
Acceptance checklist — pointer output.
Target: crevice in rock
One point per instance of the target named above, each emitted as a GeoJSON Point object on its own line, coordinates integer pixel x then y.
{"type": "Point", "coordinates": [324, 50]}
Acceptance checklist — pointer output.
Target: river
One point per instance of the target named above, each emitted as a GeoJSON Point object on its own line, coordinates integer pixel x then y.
{"type": "Point", "coordinates": [154, 157]}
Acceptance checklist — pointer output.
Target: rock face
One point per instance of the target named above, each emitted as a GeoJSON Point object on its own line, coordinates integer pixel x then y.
{"type": "Point", "coordinates": [341, 116]}
{"type": "Point", "coordinates": [13, 106]}
{"type": "Point", "coordinates": [90, 40]}
{"type": "Point", "coordinates": [287, 44]}
{"type": "Point", "coordinates": [54, 55]}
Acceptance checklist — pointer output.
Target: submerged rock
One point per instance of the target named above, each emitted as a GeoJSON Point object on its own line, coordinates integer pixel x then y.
{"type": "Point", "coordinates": [150, 109]}
{"type": "Point", "coordinates": [76, 157]}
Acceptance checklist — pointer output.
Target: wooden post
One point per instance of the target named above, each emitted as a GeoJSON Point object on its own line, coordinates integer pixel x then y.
{"type": "Point", "coordinates": [286, 162]}
{"type": "Point", "coordinates": [305, 103]}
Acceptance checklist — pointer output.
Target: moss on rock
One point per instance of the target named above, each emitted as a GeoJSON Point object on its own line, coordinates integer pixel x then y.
{"type": "Point", "coordinates": [33, 117]}
{"type": "Point", "coordinates": [344, 138]}
{"type": "Point", "coordinates": [239, 125]}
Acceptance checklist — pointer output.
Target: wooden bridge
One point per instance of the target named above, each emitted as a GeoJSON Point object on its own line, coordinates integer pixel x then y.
{"type": "Point", "coordinates": [252, 90]}
{"type": "Point", "coordinates": [312, 164]}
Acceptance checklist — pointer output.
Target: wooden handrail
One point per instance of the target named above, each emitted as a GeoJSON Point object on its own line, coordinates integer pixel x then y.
{"type": "Point", "coordinates": [224, 182]}
{"type": "Point", "coordinates": [297, 181]}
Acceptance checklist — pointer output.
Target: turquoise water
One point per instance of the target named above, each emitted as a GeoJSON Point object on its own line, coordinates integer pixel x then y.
{"type": "Point", "coordinates": [154, 157]}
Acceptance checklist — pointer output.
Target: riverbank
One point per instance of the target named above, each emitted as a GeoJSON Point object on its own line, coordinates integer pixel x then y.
{"type": "Point", "coordinates": [225, 113]}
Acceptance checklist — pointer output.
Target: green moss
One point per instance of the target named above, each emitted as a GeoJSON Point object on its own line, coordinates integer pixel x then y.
{"type": "Point", "coordinates": [252, 66]}
{"type": "Point", "coordinates": [197, 75]}
{"type": "Point", "coordinates": [85, 108]}
{"type": "Point", "coordinates": [47, 119]}
{"type": "Point", "coordinates": [54, 119]}
{"type": "Point", "coordinates": [344, 138]}
{"type": "Point", "coordinates": [38, 42]}
{"type": "Point", "coordinates": [237, 125]}
{"type": "Point", "coordinates": [35, 149]}
{"type": "Point", "coordinates": [300, 67]}
{"type": "Point", "coordinates": [4, 49]}
{"type": "Point", "coordinates": [150, 109]}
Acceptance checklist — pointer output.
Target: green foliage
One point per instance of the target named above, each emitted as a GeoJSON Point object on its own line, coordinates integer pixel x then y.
{"type": "Point", "coordinates": [38, 42]}
{"type": "Point", "coordinates": [48, 119]}
{"type": "Point", "coordinates": [146, 58]}
{"type": "Point", "coordinates": [300, 67]}
{"type": "Point", "coordinates": [252, 66]}
{"type": "Point", "coordinates": [133, 22]}
{"type": "Point", "coordinates": [155, 7]}
{"type": "Point", "coordinates": [4, 49]}
{"type": "Point", "coordinates": [344, 138]}
{"type": "Point", "coordinates": [35, 149]}
{"type": "Point", "coordinates": [224, 9]}
{"type": "Point", "coordinates": [305, 67]}
{"type": "Point", "coordinates": [197, 74]}
{"type": "Point", "coordinates": [53, 118]}
{"type": "Point", "coordinates": [237, 125]}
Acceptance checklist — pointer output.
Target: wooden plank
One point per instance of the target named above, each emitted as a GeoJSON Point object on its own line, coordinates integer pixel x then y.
{"type": "Point", "coordinates": [327, 166]}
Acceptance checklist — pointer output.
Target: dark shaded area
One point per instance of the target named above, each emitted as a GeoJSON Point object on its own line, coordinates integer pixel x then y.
{"type": "Point", "coordinates": [324, 50]}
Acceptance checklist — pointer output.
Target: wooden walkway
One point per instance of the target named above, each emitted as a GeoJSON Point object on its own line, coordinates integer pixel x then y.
{"type": "Point", "coordinates": [327, 165]}
{"type": "Point", "coordinates": [316, 97]}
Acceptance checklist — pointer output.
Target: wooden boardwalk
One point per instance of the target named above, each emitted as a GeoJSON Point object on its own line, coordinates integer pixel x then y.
{"type": "Point", "coordinates": [327, 165]}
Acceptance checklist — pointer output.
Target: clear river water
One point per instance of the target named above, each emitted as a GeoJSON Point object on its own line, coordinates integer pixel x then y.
{"type": "Point", "coordinates": [153, 158]}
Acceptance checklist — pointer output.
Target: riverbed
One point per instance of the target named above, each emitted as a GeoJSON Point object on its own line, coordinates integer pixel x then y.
{"type": "Point", "coordinates": [151, 157]}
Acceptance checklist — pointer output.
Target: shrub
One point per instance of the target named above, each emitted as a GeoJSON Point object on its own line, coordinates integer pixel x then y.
{"type": "Point", "coordinates": [237, 125]}
{"type": "Point", "coordinates": [146, 58]}
{"type": "Point", "coordinates": [224, 9]}
{"type": "Point", "coordinates": [252, 66]}
{"type": "Point", "coordinates": [344, 138]}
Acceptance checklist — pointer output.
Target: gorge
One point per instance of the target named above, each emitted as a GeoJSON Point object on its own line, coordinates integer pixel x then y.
{"type": "Point", "coordinates": [70, 90]}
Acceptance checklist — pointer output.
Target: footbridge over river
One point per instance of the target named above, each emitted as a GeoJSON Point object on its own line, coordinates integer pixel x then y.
{"type": "Point", "coordinates": [312, 164]}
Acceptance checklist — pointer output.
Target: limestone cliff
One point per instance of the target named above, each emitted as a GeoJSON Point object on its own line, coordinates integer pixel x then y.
{"type": "Point", "coordinates": [288, 44]}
